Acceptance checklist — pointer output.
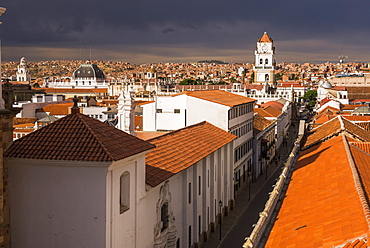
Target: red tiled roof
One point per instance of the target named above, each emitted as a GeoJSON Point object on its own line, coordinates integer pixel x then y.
{"type": "Point", "coordinates": [260, 123]}
{"type": "Point", "coordinates": [333, 127]}
{"type": "Point", "coordinates": [322, 207]}
{"type": "Point", "coordinates": [77, 137]}
{"type": "Point", "coordinates": [149, 135]}
{"type": "Point", "coordinates": [180, 149]}
{"type": "Point", "coordinates": [279, 106]}
{"type": "Point", "coordinates": [357, 118]}
{"type": "Point", "coordinates": [219, 96]}
{"type": "Point", "coordinates": [351, 106]}
{"type": "Point", "coordinates": [22, 120]}
{"type": "Point", "coordinates": [57, 109]}
{"type": "Point", "coordinates": [265, 38]}
{"type": "Point", "coordinates": [69, 90]}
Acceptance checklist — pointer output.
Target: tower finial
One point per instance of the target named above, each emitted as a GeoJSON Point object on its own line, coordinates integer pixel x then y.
{"type": "Point", "coordinates": [75, 109]}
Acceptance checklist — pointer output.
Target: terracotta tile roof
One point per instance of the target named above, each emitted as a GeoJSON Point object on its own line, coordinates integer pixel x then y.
{"type": "Point", "coordinates": [260, 123]}
{"type": "Point", "coordinates": [149, 135]}
{"type": "Point", "coordinates": [322, 207]}
{"type": "Point", "coordinates": [273, 111]}
{"type": "Point", "coordinates": [265, 38]}
{"type": "Point", "coordinates": [77, 137]}
{"type": "Point", "coordinates": [273, 104]}
{"type": "Point", "coordinates": [351, 106]}
{"type": "Point", "coordinates": [360, 152]}
{"type": "Point", "coordinates": [180, 149]}
{"type": "Point", "coordinates": [324, 118]}
{"type": "Point", "coordinates": [25, 125]}
{"type": "Point", "coordinates": [334, 127]}
{"type": "Point", "coordinates": [357, 243]}
{"type": "Point", "coordinates": [219, 96]}
{"type": "Point", "coordinates": [23, 130]}
{"type": "Point", "coordinates": [69, 90]}
{"type": "Point", "coordinates": [364, 125]}
{"type": "Point", "coordinates": [57, 109]}
{"type": "Point", "coordinates": [22, 120]}
{"type": "Point", "coordinates": [329, 108]}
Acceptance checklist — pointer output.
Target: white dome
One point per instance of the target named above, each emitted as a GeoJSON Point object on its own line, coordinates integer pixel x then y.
{"type": "Point", "coordinates": [325, 85]}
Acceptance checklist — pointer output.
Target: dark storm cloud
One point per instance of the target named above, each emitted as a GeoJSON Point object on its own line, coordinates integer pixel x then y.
{"type": "Point", "coordinates": [191, 24]}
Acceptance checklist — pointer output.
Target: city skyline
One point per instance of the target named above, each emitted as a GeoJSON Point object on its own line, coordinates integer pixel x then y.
{"type": "Point", "coordinates": [166, 31]}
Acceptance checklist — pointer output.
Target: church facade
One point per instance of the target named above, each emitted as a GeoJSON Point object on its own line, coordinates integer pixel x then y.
{"type": "Point", "coordinates": [264, 65]}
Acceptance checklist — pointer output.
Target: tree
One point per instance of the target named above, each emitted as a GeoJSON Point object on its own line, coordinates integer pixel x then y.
{"type": "Point", "coordinates": [310, 97]}
{"type": "Point", "coordinates": [188, 81]}
{"type": "Point", "coordinates": [232, 80]}
{"type": "Point", "coordinates": [278, 76]}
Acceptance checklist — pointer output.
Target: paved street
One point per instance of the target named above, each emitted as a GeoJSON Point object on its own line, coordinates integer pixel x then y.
{"type": "Point", "coordinates": [238, 224]}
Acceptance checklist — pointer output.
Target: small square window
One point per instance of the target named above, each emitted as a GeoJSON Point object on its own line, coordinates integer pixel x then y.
{"type": "Point", "coordinates": [177, 111]}
{"type": "Point", "coordinates": [159, 110]}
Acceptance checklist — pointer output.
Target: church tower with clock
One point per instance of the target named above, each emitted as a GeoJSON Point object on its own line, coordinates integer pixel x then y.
{"type": "Point", "coordinates": [264, 66]}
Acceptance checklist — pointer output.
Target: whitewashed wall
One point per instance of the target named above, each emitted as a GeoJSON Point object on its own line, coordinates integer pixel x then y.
{"type": "Point", "coordinates": [57, 202]}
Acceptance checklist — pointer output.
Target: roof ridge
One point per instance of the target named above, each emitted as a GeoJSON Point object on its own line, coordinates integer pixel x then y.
{"type": "Point", "coordinates": [94, 134]}
{"type": "Point", "coordinates": [341, 122]}
{"type": "Point", "coordinates": [355, 123]}
{"type": "Point", "coordinates": [357, 182]}
{"type": "Point", "coordinates": [325, 123]}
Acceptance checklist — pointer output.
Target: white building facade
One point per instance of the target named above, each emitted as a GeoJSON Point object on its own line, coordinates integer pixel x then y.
{"type": "Point", "coordinates": [225, 110]}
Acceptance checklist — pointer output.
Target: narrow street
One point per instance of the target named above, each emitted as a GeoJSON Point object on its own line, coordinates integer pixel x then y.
{"type": "Point", "coordinates": [239, 223]}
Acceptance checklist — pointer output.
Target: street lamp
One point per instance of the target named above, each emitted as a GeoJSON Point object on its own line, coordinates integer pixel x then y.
{"type": "Point", "coordinates": [220, 204]}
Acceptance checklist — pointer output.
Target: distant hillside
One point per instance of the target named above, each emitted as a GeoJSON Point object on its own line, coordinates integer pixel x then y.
{"type": "Point", "coordinates": [213, 62]}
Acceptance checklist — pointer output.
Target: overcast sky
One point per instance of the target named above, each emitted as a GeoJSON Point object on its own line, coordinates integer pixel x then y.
{"type": "Point", "coordinates": [142, 31]}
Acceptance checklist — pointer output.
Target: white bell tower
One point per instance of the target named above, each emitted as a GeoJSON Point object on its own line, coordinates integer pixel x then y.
{"type": "Point", "coordinates": [264, 65]}
{"type": "Point", "coordinates": [23, 73]}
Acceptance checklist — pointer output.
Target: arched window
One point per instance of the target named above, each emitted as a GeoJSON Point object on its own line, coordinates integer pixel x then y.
{"type": "Point", "coordinates": [124, 200]}
{"type": "Point", "coordinates": [164, 216]}
{"type": "Point", "coordinates": [261, 61]}
{"type": "Point", "coordinates": [266, 61]}
{"type": "Point", "coordinates": [267, 77]}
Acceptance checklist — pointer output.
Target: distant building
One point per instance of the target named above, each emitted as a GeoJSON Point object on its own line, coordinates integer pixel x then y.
{"type": "Point", "coordinates": [23, 73]}
{"type": "Point", "coordinates": [264, 65]}
{"type": "Point", "coordinates": [87, 76]}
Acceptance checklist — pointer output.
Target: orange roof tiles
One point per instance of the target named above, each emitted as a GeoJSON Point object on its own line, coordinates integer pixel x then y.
{"type": "Point", "coordinates": [57, 109]}
{"type": "Point", "coordinates": [69, 90]}
{"type": "Point", "coordinates": [80, 138]}
{"type": "Point", "coordinates": [265, 38]}
{"type": "Point", "coordinates": [279, 106]}
{"type": "Point", "coordinates": [334, 127]}
{"type": "Point", "coordinates": [219, 96]}
{"type": "Point", "coordinates": [260, 123]}
{"type": "Point", "coordinates": [22, 120]}
{"type": "Point", "coordinates": [149, 135]}
{"type": "Point", "coordinates": [180, 149]}
{"type": "Point", "coordinates": [267, 112]}
{"type": "Point", "coordinates": [322, 207]}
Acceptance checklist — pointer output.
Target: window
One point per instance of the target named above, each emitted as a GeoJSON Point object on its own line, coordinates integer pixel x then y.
{"type": "Point", "coordinates": [189, 193]}
{"type": "Point", "coordinates": [199, 184]}
{"type": "Point", "coordinates": [164, 216]}
{"type": "Point", "coordinates": [261, 61]}
{"type": "Point", "coordinates": [159, 110]}
{"type": "Point", "coordinates": [266, 61]}
{"type": "Point", "coordinates": [199, 224]}
{"type": "Point", "coordinates": [189, 236]}
{"type": "Point", "coordinates": [124, 192]}
{"type": "Point", "coordinates": [176, 111]}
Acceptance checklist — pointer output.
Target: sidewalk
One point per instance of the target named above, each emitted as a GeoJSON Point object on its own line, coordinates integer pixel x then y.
{"type": "Point", "coordinates": [242, 202]}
